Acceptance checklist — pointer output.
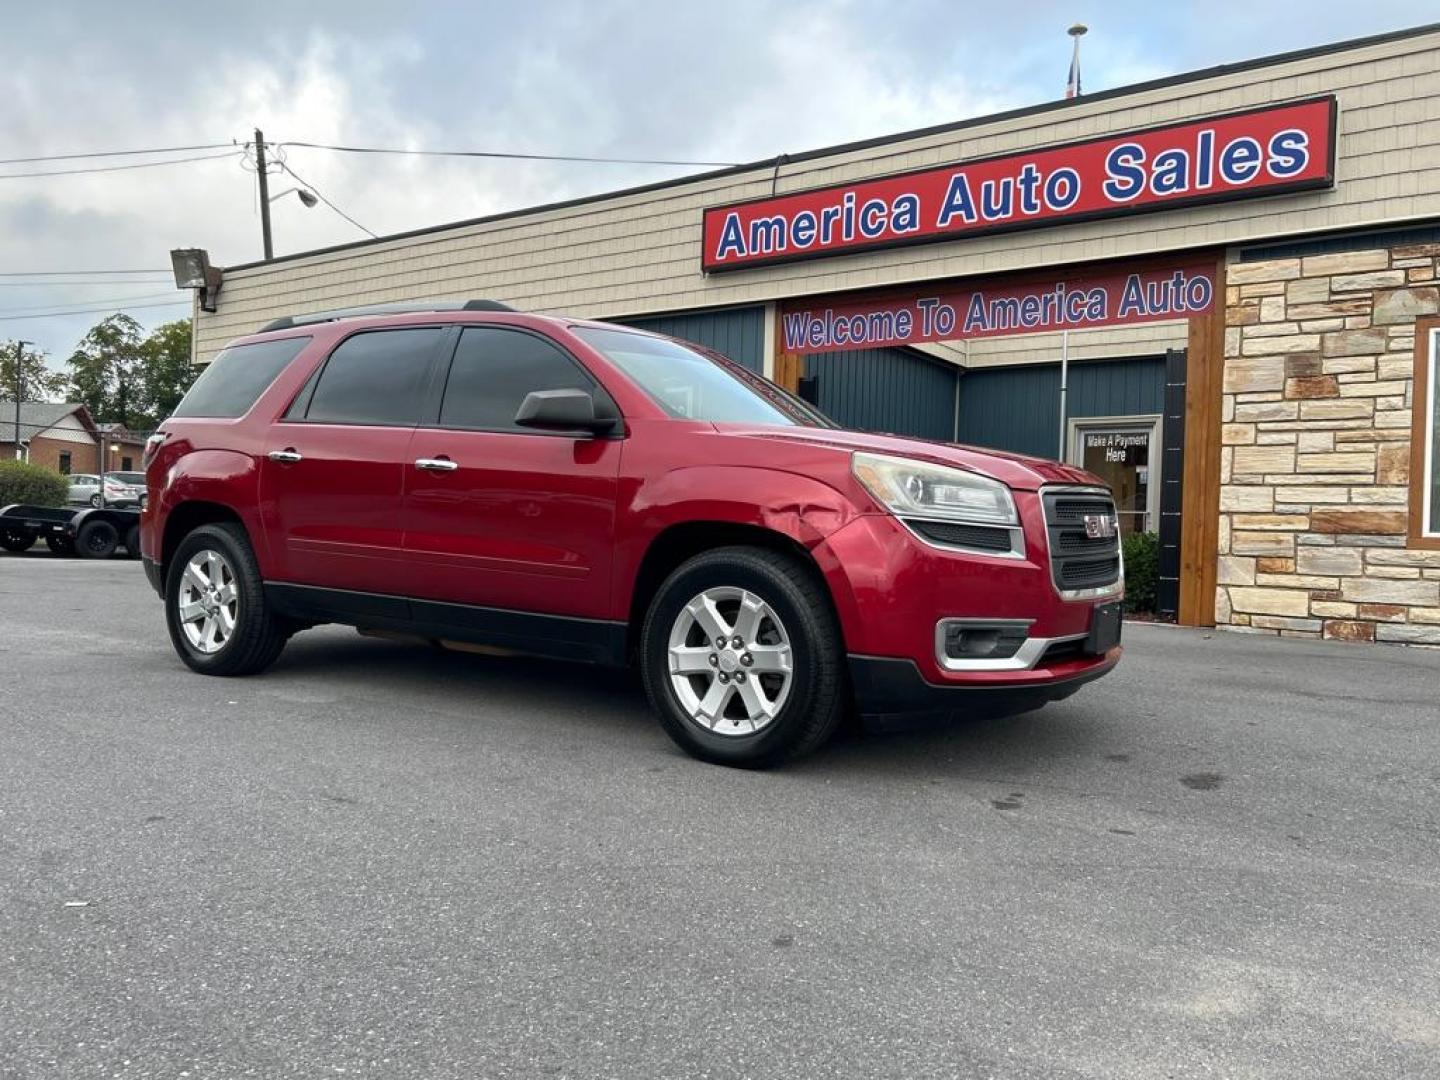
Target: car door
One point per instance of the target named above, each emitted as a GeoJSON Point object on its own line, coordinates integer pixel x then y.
{"type": "Point", "coordinates": [332, 481]}
{"type": "Point", "coordinates": [499, 516]}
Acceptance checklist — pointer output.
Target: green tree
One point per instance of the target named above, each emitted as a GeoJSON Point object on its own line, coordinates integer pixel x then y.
{"type": "Point", "coordinates": [104, 371]}
{"type": "Point", "coordinates": [165, 370]}
{"type": "Point", "coordinates": [38, 381]}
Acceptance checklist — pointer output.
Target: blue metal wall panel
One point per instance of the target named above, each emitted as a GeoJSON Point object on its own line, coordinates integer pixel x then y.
{"type": "Point", "coordinates": [1018, 408]}
{"type": "Point", "coordinates": [890, 390]}
{"type": "Point", "coordinates": [739, 333]}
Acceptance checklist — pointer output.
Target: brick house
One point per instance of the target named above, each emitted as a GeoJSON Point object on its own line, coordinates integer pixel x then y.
{"type": "Point", "coordinates": [63, 436]}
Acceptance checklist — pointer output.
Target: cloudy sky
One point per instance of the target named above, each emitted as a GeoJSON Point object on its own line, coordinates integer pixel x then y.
{"type": "Point", "coordinates": [726, 82]}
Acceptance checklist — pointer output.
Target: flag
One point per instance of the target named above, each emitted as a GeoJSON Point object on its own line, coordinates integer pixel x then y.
{"type": "Point", "coordinates": [1072, 84]}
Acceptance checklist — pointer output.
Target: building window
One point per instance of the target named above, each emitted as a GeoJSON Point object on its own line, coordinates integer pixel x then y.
{"type": "Point", "coordinates": [1425, 440]}
{"type": "Point", "coordinates": [1124, 451]}
{"type": "Point", "coordinates": [65, 462]}
{"type": "Point", "coordinates": [127, 464]}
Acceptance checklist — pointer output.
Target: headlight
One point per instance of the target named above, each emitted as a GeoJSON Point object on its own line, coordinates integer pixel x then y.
{"type": "Point", "coordinates": [917, 489]}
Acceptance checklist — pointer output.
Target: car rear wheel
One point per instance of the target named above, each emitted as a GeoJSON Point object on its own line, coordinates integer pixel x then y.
{"type": "Point", "coordinates": [96, 501]}
{"type": "Point", "coordinates": [132, 542]}
{"type": "Point", "coordinates": [742, 658]}
{"type": "Point", "coordinates": [219, 621]}
{"type": "Point", "coordinates": [13, 539]}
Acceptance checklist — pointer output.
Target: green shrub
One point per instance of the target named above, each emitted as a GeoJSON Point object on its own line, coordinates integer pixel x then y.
{"type": "Point", "coordinates": [21, 482]}
{"type": "Point", "coordinates": [1142, 571]}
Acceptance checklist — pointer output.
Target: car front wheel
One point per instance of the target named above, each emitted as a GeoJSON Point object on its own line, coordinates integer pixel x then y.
{"type": "Point", "coordinates": [215, 607]}
{"type": "Point", "coordinates": [742, 657]}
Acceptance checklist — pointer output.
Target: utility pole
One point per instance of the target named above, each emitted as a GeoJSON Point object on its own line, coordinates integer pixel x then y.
{"type": "Point", "coordinates": [264, 193]}
{"type": "Point", "coordinates": [19, 390]}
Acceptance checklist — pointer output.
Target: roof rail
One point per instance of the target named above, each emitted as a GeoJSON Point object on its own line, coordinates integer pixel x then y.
{"type": "Point", "coordinates": [404, 307]}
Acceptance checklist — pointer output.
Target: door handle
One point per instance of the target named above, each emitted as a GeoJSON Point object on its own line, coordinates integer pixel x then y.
{"type": "Point", "coordinates": [441, 464]}
{"type": "Point", "coordinates": [288, 454]}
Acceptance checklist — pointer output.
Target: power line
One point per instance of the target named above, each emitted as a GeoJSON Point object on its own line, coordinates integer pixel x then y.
{"type": "Point", "coordinates": [58, 309]}
{"type": "Point", "coordinates": [507, 156]}
{"type": "Point", "coordinates": [68, 273]}
{"type": "Point", "coordinates": [83, 283]}
{"type": "Point", "coordinates": [96, 311]}
{"type": "Point", "coordinates": [321, 196]}
{"type": "Point", "coordinates": [120, 168]}
{"type": "Point", "coordinates": [114, 153]}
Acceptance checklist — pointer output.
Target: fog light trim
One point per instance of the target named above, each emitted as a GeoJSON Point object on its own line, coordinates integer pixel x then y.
{"type": "Point", "coordinates": [975, 644]}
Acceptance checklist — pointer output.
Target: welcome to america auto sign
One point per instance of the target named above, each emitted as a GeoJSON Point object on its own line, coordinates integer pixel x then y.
{"type": "Point", "coordinates": [1081, 300]}
{"type": "Point", "coordinates": [1265, 151]}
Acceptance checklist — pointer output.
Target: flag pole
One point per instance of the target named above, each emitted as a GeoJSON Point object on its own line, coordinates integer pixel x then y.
{"type": "Point", "coordinates": [1072, 84]}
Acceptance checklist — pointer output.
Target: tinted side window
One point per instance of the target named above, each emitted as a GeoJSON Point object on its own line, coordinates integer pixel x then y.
{"type": "Point", "coordinates": [302, 399]}
{"type": "Point", "coordinates": [237, 377]}
{"type": "Point", "coordinates": [376, 378]}
{"type": "Point", "coordinates": [494, 369]}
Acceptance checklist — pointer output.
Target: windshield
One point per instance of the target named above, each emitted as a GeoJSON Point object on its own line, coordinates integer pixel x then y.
{"type": "Point", "coordinates": [699, 385]}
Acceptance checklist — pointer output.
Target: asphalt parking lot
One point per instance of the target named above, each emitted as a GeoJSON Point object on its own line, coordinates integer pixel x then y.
{"type": "Point", "coordinates": [376, 860]}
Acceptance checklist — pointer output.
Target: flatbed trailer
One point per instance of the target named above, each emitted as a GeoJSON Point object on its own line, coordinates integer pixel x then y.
{"type": "Point", "coordinates": [90, 533]}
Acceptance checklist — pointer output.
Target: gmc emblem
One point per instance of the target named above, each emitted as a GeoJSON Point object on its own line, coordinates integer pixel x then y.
{"type": "Point", "coordinates": [1099, 527]}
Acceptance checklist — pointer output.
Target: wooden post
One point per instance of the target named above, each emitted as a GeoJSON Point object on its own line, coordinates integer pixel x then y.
{"type": "Point", "coordinates": [1200, 502]}
{"type": "Point", "coordinates": [788, 366]}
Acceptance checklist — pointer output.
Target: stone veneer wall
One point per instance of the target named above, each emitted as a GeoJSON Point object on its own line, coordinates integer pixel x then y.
{"type": "Point", "coordinates": [1319, 372]}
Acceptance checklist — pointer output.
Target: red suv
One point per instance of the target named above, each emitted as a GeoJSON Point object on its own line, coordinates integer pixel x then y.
{"type": "Point", "coordinates": [588, 492]}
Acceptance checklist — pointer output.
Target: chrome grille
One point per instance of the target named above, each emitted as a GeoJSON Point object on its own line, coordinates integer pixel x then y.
{"type": "Point", "coordinates": [1078, 562]}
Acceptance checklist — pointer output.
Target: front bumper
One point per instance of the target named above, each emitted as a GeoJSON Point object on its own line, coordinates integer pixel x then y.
{"type": "Point", "coordinates": [890, 692]}
{"type": "Point", "coordinates": [894, 592]}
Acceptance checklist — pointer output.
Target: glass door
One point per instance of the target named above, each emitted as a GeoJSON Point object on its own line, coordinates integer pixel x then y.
{"type": "Point", "coordinates": [1125, 453]}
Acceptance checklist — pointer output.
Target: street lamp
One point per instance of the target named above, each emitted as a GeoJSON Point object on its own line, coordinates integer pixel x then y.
{"type": "Point", "coordinates": [306, 197]}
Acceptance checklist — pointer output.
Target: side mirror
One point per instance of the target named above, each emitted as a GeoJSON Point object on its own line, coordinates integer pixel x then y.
{"type": "Point", "coordinates": [562, 410]}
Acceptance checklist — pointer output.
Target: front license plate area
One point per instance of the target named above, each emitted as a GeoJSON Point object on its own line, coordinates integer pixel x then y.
{"type": "Point", "coordinates": [1104, 628]}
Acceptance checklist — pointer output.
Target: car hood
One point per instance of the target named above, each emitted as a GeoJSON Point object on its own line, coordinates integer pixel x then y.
{"type": "Point", "coordinates": [1018, 471]}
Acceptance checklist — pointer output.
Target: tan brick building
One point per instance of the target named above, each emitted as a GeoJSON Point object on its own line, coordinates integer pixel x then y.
{"type": "Point", "coordinates": [1265, 405]}
{"type": "Point", "coordinates": [1316, 534]}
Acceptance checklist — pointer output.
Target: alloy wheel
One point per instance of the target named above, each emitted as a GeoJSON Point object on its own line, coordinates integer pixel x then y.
{"type": "Point", "coordinates": [731, 664]}
{"type": "Point", "coordinates": [208, 601]}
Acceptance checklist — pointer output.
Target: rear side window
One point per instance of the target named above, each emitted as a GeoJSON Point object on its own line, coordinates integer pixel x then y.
{"type": "Point", "coordinates": [376, 378]}
{"type": "Point", "coordinates": [494, 369]}
{"type": "Point", "coordinates": [237, 377]}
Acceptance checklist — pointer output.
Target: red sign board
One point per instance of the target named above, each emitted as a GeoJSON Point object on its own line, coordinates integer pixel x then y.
{"type": "Point", "coordinates": [1259, 152]}
{"type": "Point", "coordinates": [1070, 302]}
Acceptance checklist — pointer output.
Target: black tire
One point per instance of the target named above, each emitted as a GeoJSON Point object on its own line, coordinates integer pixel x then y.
{"type": "Point", "coordinates": [60, 545]}
{"type": "Point", "coordinates": [818, 693]}
{"type": "Point", "coordinates": [96, 501]}
{"type": "Point", "coordinates": [132, 542]}
{"type": "Point", "coordinates": [16, 539]}
{"type": "Point", "coordinates": [97, 540]}
{"type": "Point", "coordinates": [259, 634]}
